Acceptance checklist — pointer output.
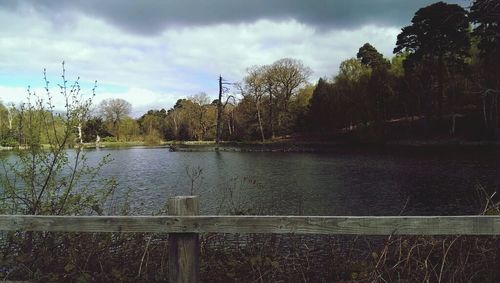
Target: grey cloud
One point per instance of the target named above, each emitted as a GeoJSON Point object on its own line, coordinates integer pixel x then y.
{"type": "Point", "coordinates": [150, 17]}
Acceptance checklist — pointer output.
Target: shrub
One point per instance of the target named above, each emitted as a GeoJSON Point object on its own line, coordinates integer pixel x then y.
{"type": "Point", "coordinates": [49, 180]}
{"type": "Point", "coordinates": [9, 142]}
{"type": "Point", "coordinates": [109, 139]}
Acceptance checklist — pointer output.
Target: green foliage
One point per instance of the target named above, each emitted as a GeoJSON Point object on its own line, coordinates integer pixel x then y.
{"type": "Point", "coordinates": [114, 111]}
{"type": "Point", "coordinates": [247, 121]}
{"type": "Point", "coordinates": [322, 114]}
{"type": "Point", "coordinates": [299, 106]}
{"type": "Point", "coordinates": [9, 142]}
{"type": "Point", "coordinates": [369, 56]}
{"type": "Point", "coordinates": [190, 119]}
{"type": "Point", "coordinates": [438, 39]}
{"type": "Point", "coordinates": [128, 130]}
{"type": "Point", "coordinates": [436, 74]}
{"type": "Point", "coordinates": [92, 128]}
{"type": "Point", "coordinates": [153, 137]}
{"type": "Point", "coordinates": [397, 69]}
{"type": "Point", "coordinates": [271, 103]}
{"type": "Point", "coordinates": [38, 182]}
{"type": "Point", "coordinates": [485, 14]}
{"type": "Point", "coordinates": [109, 139]}
{"type": "Point", "coordinates": [349, 91]}
{"type": "Point", "coordinates": [49, 175]}
{"type": "Point", "coordinates": [153, 126]}
{"type": "Point", "coordinates": [438, 30]}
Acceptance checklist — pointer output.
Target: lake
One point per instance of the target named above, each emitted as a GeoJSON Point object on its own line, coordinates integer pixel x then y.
{"type": "Point", "coordinates": [347, 181]}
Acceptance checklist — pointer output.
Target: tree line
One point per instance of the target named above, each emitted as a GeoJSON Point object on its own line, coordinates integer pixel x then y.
{"type": "Point", "coordinates": [443, 80]}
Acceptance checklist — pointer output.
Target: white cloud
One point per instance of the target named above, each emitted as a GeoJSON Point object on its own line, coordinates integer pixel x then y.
{"type": "Point", "coordinates": [12, 94]}
{"type": "Point", "coordinates": [230, 49]}
{"type": "Point", "coordinates": [154, 71]}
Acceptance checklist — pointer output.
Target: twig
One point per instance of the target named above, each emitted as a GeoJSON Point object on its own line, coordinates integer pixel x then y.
{"type": "Point", "coordinates": [444, 256]}
{"type": "Point", "coordinates": [144, 255]}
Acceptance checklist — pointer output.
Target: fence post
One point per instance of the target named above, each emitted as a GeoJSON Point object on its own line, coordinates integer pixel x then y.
{"type": "Point", "coordinates": [183, 248]}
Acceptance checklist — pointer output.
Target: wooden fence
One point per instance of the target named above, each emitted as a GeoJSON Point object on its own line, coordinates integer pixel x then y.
{"type": "Point", "coordinates": [184, 225]}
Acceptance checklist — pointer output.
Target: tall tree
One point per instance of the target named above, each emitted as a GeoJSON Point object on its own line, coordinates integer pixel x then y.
{"type": "Point", "coordinates": [286, 76]}
{"type": "Point", "coordinates": [174, 120]}
{"type": "Point", "coordinates": [321, 114]}
{"type": "Point", "coordinates": [114, 110]}
{"type": "Point", "coordinates": [439, 37]}
{"type": "Point", "coordinates": [255, 89]}
{"type": "Point", "coordinates": [153, 126]}
{"type": "Point", "coordinates": [369, 56]}
{"type": "Point", "coordinates": [486, 16]}
{"type": "Point", "coordinates": [379, 84]}
{"type": "Point", "coordinates": [180, 120]}
{"type": "Point", "coordinates": [92, 128]}
{"type": "Point", "coordinates": [205, 115]}
{"type": "Point", "coordinates": [352, 85]}
{"type": "Point", "coordinates": [300, 106]}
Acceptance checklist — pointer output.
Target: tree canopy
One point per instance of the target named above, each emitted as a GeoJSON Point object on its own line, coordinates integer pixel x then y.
{"type": "Point", "coordinates": [444, 78]}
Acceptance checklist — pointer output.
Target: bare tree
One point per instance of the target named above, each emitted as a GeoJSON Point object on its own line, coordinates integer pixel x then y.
{"type": "Point", "coordinates": [288, 75]}
{"type": "Point", "coordinates": [271, 89]}
{"type": "Point", "coordinates": [255, 88]}
{"type": "Point", "coordinates": [202, 114]}
{"type": "Point", "coordinates": [221, 107]}
{"type": "Point", "coordinates": [114, 110]}
{"type": "Point", "coordinates": [173, 119]}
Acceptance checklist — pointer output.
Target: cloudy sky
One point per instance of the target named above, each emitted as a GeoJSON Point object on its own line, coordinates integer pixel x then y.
{"type": "Point", "coordinates": [153, 52]}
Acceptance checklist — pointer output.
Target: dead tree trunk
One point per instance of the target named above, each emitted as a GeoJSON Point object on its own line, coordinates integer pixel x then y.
{"type": "Point", "coordinates": [257, 105]}
{"type": "Point", "coordinates": [219, 113]}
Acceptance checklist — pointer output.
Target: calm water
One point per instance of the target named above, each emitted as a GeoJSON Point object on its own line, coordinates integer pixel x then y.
{"type": "Point", "coordinates": [345, 182]}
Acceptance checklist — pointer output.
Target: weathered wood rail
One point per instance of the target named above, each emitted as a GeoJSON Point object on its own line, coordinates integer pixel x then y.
{"type": "Point", "coordinates": [348, 225]}
{"type": "Point", "coordinates": [184, 225]}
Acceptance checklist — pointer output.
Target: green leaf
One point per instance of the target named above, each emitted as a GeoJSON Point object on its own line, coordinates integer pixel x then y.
{"type": "Point", "coordinates": [69, 267]}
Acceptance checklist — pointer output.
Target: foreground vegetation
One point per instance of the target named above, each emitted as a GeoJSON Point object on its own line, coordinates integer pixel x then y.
{"type": "Point", "coordinates": [263, 258]}
{"type": "Point", "coordinates": [141, 257]}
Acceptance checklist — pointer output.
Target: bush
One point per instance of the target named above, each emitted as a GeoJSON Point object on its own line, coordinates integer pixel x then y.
{"type": "Point", "coordinates": [48, 181]}
{"type": "Point", "coordinates": [9, 142]}
{"type": "Point", "coordinates": [153, 138]}
{"type": "Point", "coordinates": [109, 139]}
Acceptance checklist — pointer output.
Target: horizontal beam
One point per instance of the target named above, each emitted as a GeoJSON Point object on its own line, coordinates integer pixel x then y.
{"type": "Point", "coordinates": [348, 225]}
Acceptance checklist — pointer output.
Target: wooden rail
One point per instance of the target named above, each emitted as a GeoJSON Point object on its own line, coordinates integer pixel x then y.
{"type": "Point", "coordinates": [184, 225]}
{"type": "Point", "coordinates": [349, 225]}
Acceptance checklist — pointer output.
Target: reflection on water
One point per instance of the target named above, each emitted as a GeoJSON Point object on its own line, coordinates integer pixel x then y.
{"type": "Point", "coordinates": [346, 182]}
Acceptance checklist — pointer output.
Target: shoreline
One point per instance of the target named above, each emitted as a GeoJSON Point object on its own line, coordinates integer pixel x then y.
{"type": "Point", "coordinates": [322, 146]}
{"type": "Point", "coordinates": [295, 145]}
